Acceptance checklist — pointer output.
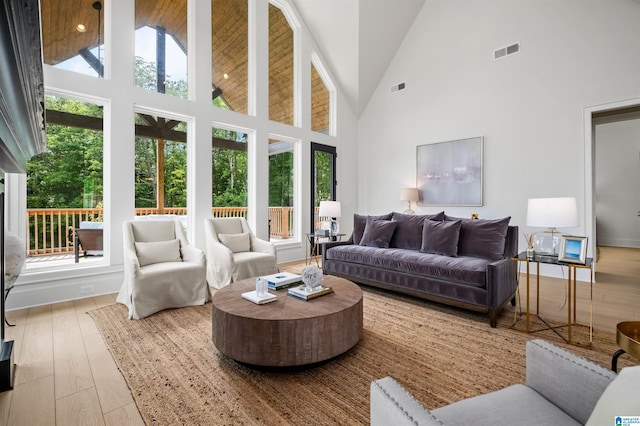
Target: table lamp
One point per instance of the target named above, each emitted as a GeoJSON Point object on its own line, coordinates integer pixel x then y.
{"type": "Point", "coordinates": [330, 209]}
{"type": "Point", "coordinates": [552, 213]}
{"type": "Point", "coordinates": [409, 195]}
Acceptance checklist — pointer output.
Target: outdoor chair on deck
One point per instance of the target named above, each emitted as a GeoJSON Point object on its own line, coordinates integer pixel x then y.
{"type": "Point", "coordinates": [88, 240]}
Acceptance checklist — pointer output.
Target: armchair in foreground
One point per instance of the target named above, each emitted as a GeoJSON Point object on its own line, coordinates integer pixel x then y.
{"type": "Point", "coordinates": [561, 388]}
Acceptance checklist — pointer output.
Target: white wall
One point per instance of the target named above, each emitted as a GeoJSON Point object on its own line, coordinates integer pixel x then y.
{"type": "Point", "coordinates": [528, 106]}
{"type": "Point", "coordinates": [617, 168]}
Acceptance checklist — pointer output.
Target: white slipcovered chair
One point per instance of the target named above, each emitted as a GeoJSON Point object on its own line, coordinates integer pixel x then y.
{"type": "Point", "coordinates": [161, 269]}
{"type": "Point", "coordinates": [234, 253]}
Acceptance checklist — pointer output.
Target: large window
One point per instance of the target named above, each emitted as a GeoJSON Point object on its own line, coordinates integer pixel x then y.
{"type": "Point", "coordinates": [73, 35]}
{"type": "Point", "coordinates": [229, 57]}
{"type": "Point", "coordinates": [161, 47]}
{"type": "Point", "coordinates": [143, 44]}
{"type": "Point", "coordinates": [319, 102]}
{"type": "Point", "coordinates": [281, 93]}
{"type": "Point", "coordinates": [161, 166]}
{"type": "Point", "coordinates": [282, 184]}
{"type": "Point", "coordinates": [64, 185]}
{"type": "Point", "coordinates": [229, 174]}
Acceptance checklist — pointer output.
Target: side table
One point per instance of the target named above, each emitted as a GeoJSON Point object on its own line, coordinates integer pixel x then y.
{"type": "Point", "coordinates": [572, 269]}
{"type": "Point", "coordinates": [628, 338]}
{"type": "Point", "coordinates": [315, 244]}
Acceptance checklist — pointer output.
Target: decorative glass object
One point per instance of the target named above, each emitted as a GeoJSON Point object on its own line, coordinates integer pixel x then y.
{"type": "Point", "coordinates": [551, 213]}
{"type": "Point", "coordinates": [530, 239]}
{"type": "Point", "coordinates": [261, 287]}
{"type": "Point", "coordinates": [311, 277]}
{"type": "Point", "coordinates": [531, 253]}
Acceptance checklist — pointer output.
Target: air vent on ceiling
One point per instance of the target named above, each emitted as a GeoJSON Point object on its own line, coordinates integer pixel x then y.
{"type": "Point", "coordinates": [506, 51]}
{"type": "Point", "coordinates": [397, 87]}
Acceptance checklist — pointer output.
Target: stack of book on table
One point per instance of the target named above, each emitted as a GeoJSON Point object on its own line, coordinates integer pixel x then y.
{"type": "Point", "coordinates": [259, 300]}
{"type": "Point", "coordinates": [282, 280]}
{"type": "Point", "coordinates": [301, 292]}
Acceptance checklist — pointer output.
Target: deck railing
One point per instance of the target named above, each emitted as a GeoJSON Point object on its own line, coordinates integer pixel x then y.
{"type": "Point", "coordinates": [50, 231]}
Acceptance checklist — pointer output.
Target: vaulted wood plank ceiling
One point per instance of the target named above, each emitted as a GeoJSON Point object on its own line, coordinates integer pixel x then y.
{"type": "Point", "coordinates": [229, 47]}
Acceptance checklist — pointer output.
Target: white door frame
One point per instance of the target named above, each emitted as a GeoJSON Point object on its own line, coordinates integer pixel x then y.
{"type": "Point", "coordinates": [589, 162]}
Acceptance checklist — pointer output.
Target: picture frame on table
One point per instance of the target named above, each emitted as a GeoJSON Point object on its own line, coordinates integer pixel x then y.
{"type": "Point", "coordinates": [573, 249]}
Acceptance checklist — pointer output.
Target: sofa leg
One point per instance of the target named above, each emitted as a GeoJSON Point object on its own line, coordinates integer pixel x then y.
{"type": "Point", "coordinates": [493, 318]}
{"type": "Point", "coordinates": [513, 301]}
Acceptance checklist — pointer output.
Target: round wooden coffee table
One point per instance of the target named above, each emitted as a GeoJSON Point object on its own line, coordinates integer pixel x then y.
{"type": "Point", "coordinates": [288, 331]}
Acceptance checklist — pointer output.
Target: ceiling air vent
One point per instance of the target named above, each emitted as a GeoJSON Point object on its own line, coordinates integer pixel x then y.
{"type": "Point", "coordinates": [506, 51]}
{"type": "Point", "coordinates": [397, 87]}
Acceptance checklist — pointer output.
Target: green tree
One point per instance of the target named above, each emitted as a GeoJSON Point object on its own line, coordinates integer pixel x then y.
{"type": "Point", "coordinates": [323, 176]}
{"type": "Point", "coordinates": [281, 179]}
{"type": "Point", "coordinates": [70, 174]}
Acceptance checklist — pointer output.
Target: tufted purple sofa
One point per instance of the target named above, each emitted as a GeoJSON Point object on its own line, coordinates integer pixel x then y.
{"type": "Point", "coordinates": [460, 262]}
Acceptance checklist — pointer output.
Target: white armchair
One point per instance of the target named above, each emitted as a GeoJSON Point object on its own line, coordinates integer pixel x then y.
{"type": "Point", "coordinates": [161, 269]}
{"type": "Point", "coordinates": [234, 253]}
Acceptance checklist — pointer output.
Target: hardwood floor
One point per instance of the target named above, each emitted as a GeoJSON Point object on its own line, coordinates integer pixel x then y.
{"type": "Point", "coordinates": [66, 376]}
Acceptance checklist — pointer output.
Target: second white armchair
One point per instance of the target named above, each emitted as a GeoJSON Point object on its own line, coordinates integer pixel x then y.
{"type": "Point", "coordinates": [235, 253]}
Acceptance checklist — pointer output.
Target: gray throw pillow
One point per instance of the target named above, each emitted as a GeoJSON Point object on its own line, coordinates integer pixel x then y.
{"type": "Point", "coordinates": [360, 221]}
{"type": "Point", "coordinates": [440, 237]}
{"type": "Point", "coordinates": [377, 233]}
{"type": "Point", "coordinates": [484, 238]}
{"type": "Point", "coordinates": [408, 234]}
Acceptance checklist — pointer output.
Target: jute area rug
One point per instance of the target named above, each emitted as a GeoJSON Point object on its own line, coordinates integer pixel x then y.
{"type": "Point", "coordinates": [439, 354]}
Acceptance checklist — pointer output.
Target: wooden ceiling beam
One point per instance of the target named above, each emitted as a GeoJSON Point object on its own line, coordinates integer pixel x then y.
{"type": "Point", "coordinates": [96, 123]}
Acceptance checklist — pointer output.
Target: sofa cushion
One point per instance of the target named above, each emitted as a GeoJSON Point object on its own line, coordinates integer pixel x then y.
{"type": "Point", "coordinates": [236, 242]}
{"type": "Point", "coordinates": [440, 237]}
{"type": "Point", "coordinates": [484, 238]}
{"type": "Point", "coordinates": [360, 221]}
{"type": "Point", "coordinates": [620, 398]}
{"type": "Point", "coordinates": [158, 252]}
{"type": "Point", "coordinates": [408, 233]}
{"type": "Point", "coordinates": [378, 233]}
{"type": "Point", "coordinates": [463, 270]}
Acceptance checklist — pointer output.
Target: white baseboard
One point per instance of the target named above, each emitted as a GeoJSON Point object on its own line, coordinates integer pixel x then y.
{"type": "Point", "coordinates": [613, 242]}
{"type": "Point", "coordinates": [35, 290]}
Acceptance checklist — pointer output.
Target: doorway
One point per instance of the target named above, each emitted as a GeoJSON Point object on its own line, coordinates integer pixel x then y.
{"type": "Point", "coordinates": [323, 178]}
{"type": "Point", "coordinates": [616, 173]}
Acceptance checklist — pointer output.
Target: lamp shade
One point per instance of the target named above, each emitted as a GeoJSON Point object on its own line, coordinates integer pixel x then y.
{"type": "Point", "coordinates": [409, 194]}
{"type": "Point", "coordinates": [329, 209]}
{"type": "Point", "coordinates": [560, 212]}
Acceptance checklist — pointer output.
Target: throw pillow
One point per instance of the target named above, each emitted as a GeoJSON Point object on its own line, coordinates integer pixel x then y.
{"type": "Point", "coordinates": [360, 221]}
{"type": "Point", "coordinates": [378, 233]}
{"type": "Point", "coordinates": [440, 237]}
{"type": "Point", "coordinates": [236, 242]}
{"type": "Point", "coordinates": [619, 399]}
{"type": "Point", "coordinates": [483, 238]}
{"type": "Point", "coordinates": [158, 252]}
{"type": "Point", "coordinates": [408, 234]}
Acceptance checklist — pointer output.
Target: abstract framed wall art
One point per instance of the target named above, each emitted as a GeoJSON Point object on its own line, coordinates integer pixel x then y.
{"type": "Point", "coordinates": [450, 173]}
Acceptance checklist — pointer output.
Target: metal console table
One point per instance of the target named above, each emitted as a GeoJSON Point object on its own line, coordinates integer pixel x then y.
{"type": "Point", "coordinates": [572, 269]}
{"type": "Point", "coordinates": [315, 244]}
